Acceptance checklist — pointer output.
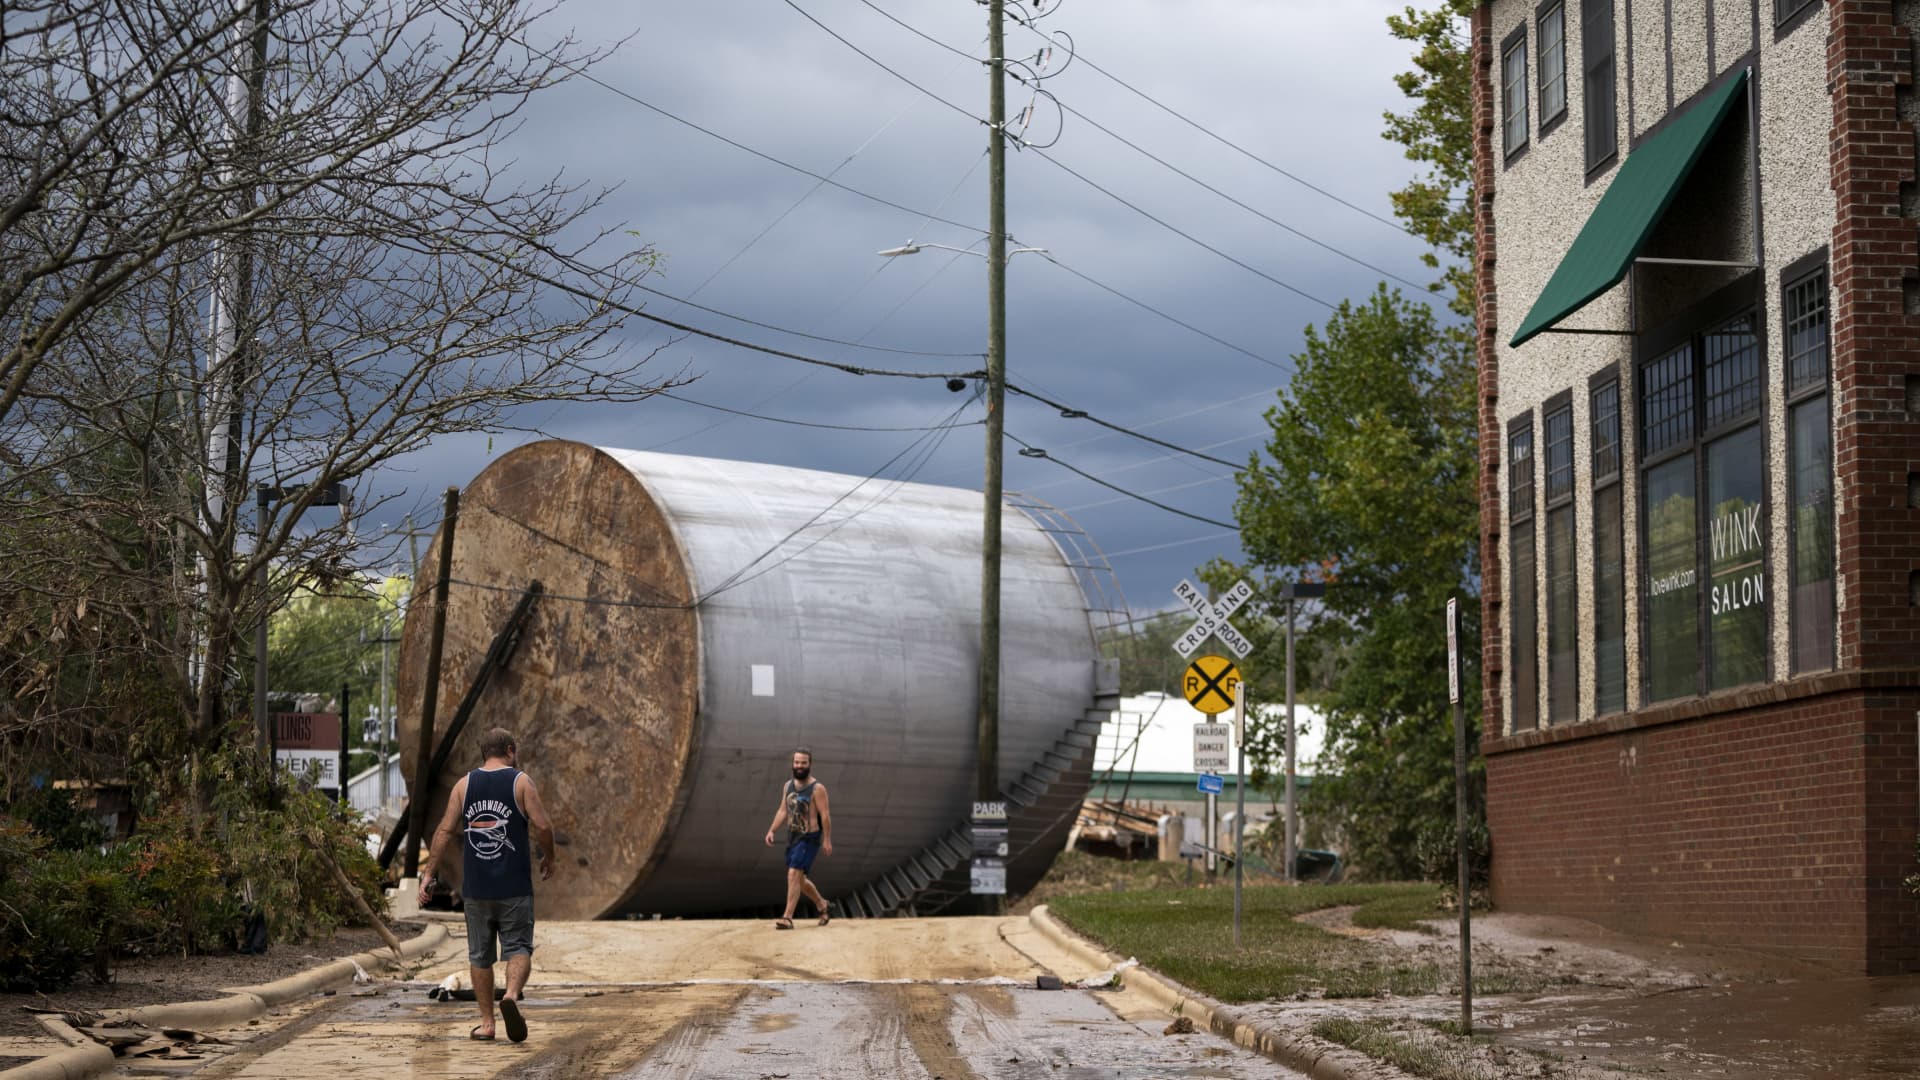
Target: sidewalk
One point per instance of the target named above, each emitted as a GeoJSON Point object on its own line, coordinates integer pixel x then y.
{"type": "Point", "coordinates": [1622, 1009]}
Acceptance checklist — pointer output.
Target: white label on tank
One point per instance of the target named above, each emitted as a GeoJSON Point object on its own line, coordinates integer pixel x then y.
{"type": "Point", "coordinates": [763, 680]}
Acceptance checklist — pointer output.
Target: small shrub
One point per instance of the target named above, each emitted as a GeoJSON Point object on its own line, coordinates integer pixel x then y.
{"type": "Point", "coordinates": [1438, 852]}
{"type": "Point", "coordinates": [61, 912]}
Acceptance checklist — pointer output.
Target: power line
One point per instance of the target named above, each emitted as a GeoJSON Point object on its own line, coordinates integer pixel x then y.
{"type": "Point", "coordinates": [1151, 156]}
{"type": "Point", "coordinates": [1157, 458]}
{"type": "Point", "coordinates": [1177, 231]}
{"type": "Point", "coordinates": [761, 154]}
{"type": "Point", "coordinates": [1069, 170]}
{"type": "Point", "coordinates": [802, 333]}
{"type": "Point", "coordinates": [1029, 450]}
{"type": "Point", "coordinates": [1217, 137]}
{"type": "Point", "coordinates": [1143, 305]}
{"type": "Point", "coordinates": [1189, 485]}
{"type": "Point", "coordinates": [875, 61]}
{"type": "Point", "coordinates": [1081, 414]}
{"type": "Point", "coordinates": [810, 423]}
{"type": "Point", "coordinates": [1169, 544]}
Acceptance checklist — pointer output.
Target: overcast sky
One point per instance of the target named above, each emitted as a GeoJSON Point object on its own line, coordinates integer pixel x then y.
{"type": "Point", "coordinates": [1300, 83]}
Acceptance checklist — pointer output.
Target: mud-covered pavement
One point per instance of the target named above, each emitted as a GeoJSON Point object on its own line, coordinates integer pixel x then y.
{"type": "Point", "coordinates": [897, 998]}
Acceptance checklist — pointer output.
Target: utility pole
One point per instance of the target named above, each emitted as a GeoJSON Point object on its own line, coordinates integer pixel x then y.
{"type": "Point", "coordinates": [988, 728]}
{"type": "Point", "coordinates": [385, 641]}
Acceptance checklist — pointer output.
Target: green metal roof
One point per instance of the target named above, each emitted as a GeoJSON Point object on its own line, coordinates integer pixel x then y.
{"type": "Point", "coordinates": [1627, 213]}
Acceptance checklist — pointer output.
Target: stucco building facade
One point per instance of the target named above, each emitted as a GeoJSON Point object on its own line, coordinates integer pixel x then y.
{"type": "Point", "coordinates": [1698, 274]}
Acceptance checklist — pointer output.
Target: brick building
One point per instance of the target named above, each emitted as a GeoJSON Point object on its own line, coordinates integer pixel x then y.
{"type": "Point", "coordinates": [1699, 288]}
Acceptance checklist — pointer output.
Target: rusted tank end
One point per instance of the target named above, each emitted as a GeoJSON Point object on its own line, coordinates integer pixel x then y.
{"type": "Point", "coordinates": [603, 692]}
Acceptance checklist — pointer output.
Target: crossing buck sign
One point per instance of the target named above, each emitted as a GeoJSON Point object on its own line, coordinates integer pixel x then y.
{"type": "Point", "coordinates": [1212, 619]}
{"type": "Point", "coordinates": [1208, 684]}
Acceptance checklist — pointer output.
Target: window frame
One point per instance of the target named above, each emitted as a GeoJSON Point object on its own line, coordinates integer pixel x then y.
{"type": "Point", "coordinates": [1540, 13]}
{"type": "Point", "coordinates": [1522, 512]}
{"type": "Point", "coordinates": [1744, 296]}
{"type": "Point", "coordinates": [1602, 481]}
{"type": "Point", "coordinates": [1511, 151]}
{"type": "Point", "coordinates": [1557, 406]}
{"type": "Point", "coordinates": [1591, 61]}
{"type": "Point", "coordinates": [1799, 272]}
{"type": "Point", "coordinates": [1788, 15]}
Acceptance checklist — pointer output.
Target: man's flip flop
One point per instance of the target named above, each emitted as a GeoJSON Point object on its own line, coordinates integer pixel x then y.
{"type": "Point", "coordinates": [477, 1037]}
{"type": "Point", "coordinates": [783, 924]}
{"type": "Point", "coordinates": [516, 1024]}
{"type": "Point", "coordinates": [825, 918]}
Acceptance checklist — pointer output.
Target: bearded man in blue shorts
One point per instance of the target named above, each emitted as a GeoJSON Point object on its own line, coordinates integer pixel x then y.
{"type": "Point", "coordinates": [808, 825]}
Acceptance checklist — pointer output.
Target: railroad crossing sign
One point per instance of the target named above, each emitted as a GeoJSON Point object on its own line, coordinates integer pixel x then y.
{"type": "Point", "coordinates": [1213, 620]}
{"type": "Point", "coordinates": [1212, 749]}
{"type": "Point", "coordinates": [1208, 684]}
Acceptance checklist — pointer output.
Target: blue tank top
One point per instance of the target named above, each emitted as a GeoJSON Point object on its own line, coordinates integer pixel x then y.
{"type": "Point", "coordinates": [498, 863]}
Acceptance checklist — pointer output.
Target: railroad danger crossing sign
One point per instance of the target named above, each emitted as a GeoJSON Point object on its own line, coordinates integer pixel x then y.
{"type": "Point", "coordinates": [1212, 749]}
{"type": "Point", "coordinates": [1208, 684]}
{"type": "Point", "coordinates": [1212, 619]}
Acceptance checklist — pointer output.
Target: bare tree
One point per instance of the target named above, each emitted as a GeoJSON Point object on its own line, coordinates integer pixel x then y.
{"type": "Point", "coordinates": [394, 285]}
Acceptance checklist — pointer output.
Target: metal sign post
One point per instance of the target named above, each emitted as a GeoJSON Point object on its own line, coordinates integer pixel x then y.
{"type": "Point", "coordinates": [1295, 590]}
{"type": "Point", "coordinates": [1460, 815]}
{"type": "Point", "coordinates": [1240, 800]}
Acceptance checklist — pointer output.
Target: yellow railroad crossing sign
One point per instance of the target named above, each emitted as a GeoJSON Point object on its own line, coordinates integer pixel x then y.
{"type": "Point", "coordinates": [1208, 684]}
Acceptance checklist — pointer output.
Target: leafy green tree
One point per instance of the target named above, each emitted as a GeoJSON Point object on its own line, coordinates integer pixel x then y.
{"type": "Point", "coordinates": [1369, 483]}
{"type": "Point", "coordinates": [1438, 133]}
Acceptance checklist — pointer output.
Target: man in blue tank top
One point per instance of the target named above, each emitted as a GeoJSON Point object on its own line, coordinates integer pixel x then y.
{"type": "Point", "coordinates": [497, 807]}
{"type": "Point", "coordinates": [809, 829]}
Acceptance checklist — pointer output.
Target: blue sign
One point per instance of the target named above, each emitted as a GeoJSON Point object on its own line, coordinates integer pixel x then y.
{"type": "Point", "coordinates": [1210, 784]}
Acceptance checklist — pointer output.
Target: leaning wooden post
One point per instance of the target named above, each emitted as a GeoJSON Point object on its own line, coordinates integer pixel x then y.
{"type": "Point", "coordinates": [422, 794]}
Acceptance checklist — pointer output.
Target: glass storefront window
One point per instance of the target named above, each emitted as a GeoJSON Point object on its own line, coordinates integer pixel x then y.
{"type": "Point", "coordinates": [1609, 603]}
{"type": "Point", "coordinates": [1737, 568]}
{"type": "Point", "coordinates": [1672, 585]}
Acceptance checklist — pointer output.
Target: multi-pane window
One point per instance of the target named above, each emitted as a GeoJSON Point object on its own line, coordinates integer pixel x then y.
{"type": "Point", "coordinates": [1809, 472]}
{"type": "Point", "coordinates": [1551, 30]}
{"type": "Point", "coordinates": [1597, 82]}
{"type": "Point", "coordinates": [1513, 90]}
{"type": "Point", "coordinates": [1563, 637]}
{"type": "Point", "coordinates": [1524, 662]}
{"type": "Point", "coordinates": [1609, 554]}
{"type": "Point", "coordinates": [1704, 518]}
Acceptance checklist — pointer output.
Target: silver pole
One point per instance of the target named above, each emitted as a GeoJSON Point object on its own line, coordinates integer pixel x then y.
{"type": "Point", "coordinates": [386, 637]}
{"type": "Point", "coordinates": [1293, 821]}
{"type": "Point", "coordinates": [1213, 833]}
{"type": "Point", "coordinates": [1240, 797]}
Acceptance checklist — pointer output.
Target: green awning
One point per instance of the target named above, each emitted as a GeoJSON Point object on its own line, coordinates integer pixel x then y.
{"type": "Point", "coordinates": [1627, 213]}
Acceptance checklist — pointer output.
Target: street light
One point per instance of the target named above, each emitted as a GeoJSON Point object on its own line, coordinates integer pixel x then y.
{"type": "Point", "coordinates": [264, 498]}
{"type": "Point", "coordinates": [915, 249]}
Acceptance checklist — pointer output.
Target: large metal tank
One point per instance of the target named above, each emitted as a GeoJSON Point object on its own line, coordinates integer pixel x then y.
{"type": "Point", "coordinates": [702, 619]}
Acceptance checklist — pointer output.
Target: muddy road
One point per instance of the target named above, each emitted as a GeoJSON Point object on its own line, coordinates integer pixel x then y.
{"type": "Point", "coordinates": [951, 999]}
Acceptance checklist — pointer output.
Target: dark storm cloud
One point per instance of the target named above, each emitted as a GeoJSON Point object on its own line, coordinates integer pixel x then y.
{"type": "Point", "coordinates": [1300, 83]}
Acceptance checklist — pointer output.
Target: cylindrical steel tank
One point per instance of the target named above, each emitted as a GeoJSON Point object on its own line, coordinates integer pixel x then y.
{"type": "Point", "coordinates": [705, 617]}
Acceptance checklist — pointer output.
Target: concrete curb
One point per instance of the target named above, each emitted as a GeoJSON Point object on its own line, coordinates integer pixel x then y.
{"type": "Point", "coordinates": [1317, 1058]}
{"type": "Point", "coordinates": [84, 1057]}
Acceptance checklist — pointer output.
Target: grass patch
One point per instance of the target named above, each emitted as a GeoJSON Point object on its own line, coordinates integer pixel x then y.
{"type": "Point", "coordinates": [1429, 1057]}
{"type": "Point", "coordinates": [1188, 935]}
{"type": "Point", "coordinates": [1401, 911]}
